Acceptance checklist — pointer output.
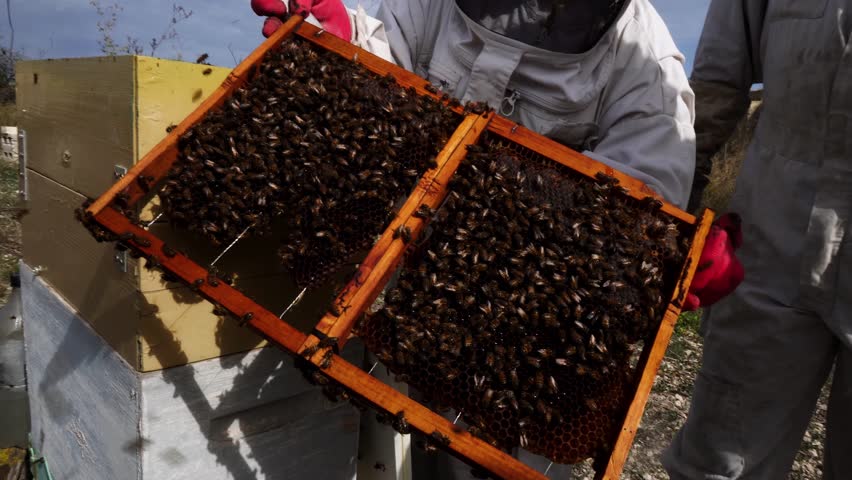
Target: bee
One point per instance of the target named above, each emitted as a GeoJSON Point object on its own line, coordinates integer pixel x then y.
{"type": "Point", "coordinates": [486, 398]}
{"type": "Point", "coordinates": [142, 242]}
{"type": "Point", "coordinates": [207, 71]}
{"type": "Point", "coordinates": [318, 378]}
{"type": "Point", "coordinates": [423, 211]}
{"type": "Point", "coordinates": [384, 418]}
{"type": "Point", "coordinates": [380, 466]}
{"type": "Point", "coordinates": [246, 318]}
{"type": "Point", "coordinates": [212, 280]}
{"type": "Point", "coordinates": [533, 362]}
{"type": "Point", "coordinates": [430, 88]}
{"type": "Point", "coordinates": [152, 262]}
{"type": "Point", "coordinates": [591, 404]}
{"type": "Point", "coordinates": [168, 251]}
{"type": "Point", "coordinates": [326, 359]}
{"type": "Point", "coordinates": [197, 283]}
{"type": "Point", "coordinates": [400, 424]}
{"type": "Point", "coordinates": [309, 352]}
{"type": "Point", "coordinates": [402, 232]}
{"type": "Point", "coordinates": [440, 439]}
{"type": "Point", "coordinates": [651, 203]}
{"type": "Point", "coordinates": [202, 58]}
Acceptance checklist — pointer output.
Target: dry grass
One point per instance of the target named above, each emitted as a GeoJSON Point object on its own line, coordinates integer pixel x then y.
{"type": "Point", "coordinates": [727, 163]}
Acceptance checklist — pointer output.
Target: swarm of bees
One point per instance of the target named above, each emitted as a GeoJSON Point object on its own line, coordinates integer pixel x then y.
{"type": "Point", "coordinates": [312, 140]}
{"type": "Point", "coordinates": [523, 307]}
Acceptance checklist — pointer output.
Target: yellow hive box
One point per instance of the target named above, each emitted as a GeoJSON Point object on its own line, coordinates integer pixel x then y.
{"type": "Point", "coordinates": [85, 120]}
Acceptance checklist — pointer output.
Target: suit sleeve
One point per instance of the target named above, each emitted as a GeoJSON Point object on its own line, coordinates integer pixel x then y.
{"type": "Point", "coordinates": [406, 29]}
{"type": "Point", "coordinates": [727, 64]}
{"type": "Point", "coordinates": [647, 115]}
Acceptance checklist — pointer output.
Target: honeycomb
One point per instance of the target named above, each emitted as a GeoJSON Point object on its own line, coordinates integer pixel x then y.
{"type": "Point", "coordinates": [524, 305]}
{"type": "Point", "coordinates": [315, 140]}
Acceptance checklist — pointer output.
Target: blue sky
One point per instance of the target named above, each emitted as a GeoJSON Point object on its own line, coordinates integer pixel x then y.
{"type": "Point", "coordinates": [67, 28]}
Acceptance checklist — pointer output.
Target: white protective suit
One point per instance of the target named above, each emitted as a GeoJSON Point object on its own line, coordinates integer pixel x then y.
{"type": "Point", "coordinates": [625, 101]}
{"type": "Point", "coordinates": [770, 346]}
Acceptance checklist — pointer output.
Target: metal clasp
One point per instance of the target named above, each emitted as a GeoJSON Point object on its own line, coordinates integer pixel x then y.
{"type": "Point", "coordinates": [510, 100]}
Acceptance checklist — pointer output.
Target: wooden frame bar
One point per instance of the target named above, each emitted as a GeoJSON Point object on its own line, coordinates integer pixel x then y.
{"type": "Point", "coordinates": [376, 269]}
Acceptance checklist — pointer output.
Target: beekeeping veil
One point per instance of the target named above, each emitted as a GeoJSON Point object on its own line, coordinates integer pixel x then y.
{"type": "Point", "coordinates": [566, 26]}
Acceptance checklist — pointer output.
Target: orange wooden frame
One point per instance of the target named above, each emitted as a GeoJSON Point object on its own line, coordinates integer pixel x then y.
{"type": "Point", "coordinates": [375, 270]}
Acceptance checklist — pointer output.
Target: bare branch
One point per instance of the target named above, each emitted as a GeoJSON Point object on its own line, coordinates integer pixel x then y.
{"type": "Point", "coordinates": [236, 62]}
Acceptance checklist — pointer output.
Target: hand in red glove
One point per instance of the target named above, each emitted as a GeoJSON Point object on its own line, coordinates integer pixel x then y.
{"type": "Point", "coordinates": [331, 14]}
{"type": "Point", "coordinates": [719, 271]}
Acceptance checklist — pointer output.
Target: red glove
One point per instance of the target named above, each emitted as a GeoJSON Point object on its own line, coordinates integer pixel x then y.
{"type": "Point", "coordinates": [719, 271]}
{"type": "Point", "coordinates": [331, 14]}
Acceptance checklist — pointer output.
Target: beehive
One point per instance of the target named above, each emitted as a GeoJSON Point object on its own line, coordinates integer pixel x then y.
{"type": "Point", "coordinates": [107, 221]}
{"type": "Point", "coordinates": [88, 120]}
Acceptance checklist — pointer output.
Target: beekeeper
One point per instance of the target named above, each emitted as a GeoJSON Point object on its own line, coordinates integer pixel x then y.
{"type": "Point", "coordinates": [603, 77]}
{"type": "Point", "coordinates": [769, 347]}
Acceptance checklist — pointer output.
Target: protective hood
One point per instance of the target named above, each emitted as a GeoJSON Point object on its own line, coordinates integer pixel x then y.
{"type": "Point", "coordinates": [566, 26]}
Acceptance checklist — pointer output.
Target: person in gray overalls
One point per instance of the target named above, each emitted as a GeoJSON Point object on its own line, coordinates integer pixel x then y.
{"type": "Point", "coordinates": [769, 347]}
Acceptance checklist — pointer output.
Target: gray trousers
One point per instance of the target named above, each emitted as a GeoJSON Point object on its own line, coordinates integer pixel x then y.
{"type": "Point", "coordinates": [763, 368]}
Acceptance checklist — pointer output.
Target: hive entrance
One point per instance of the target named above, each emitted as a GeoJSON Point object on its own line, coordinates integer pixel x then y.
{"type": "Point", "coordinates": [522, 307]}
